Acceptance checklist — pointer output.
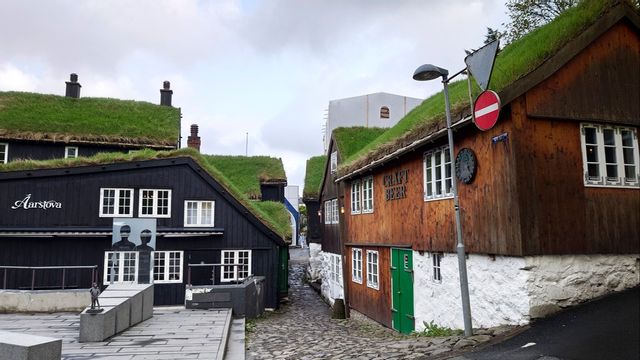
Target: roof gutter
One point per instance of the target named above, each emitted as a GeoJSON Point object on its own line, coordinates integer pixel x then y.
{"type": "Point", "coordinates": [405, 149]}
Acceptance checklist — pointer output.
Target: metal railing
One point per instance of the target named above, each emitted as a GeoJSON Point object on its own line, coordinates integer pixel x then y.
{"type": "Point", "coordinates": [213, 272]}
{"type": "Point", "coordinates": [94, 273]}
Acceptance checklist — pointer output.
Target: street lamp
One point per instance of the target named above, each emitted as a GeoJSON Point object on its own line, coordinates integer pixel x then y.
{"type": "Point", "coordinates": [430, 72]}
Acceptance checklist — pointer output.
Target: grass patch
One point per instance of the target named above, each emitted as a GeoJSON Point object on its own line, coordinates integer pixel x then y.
{"type": "Point", "coordinates": [273, 215]}
{"type": "Point", "coordinates": [433, 330]}
{"type": "Point", "coordinates": [513, 62]}
{"type": "Point", "coordinates": [88, 117]}
{"type": "Point", "coordinates": [350, 140]}
{"type": "Point", "coordinates": [248, 172]}
{"type": "Point", "coordinates": [313, 176]}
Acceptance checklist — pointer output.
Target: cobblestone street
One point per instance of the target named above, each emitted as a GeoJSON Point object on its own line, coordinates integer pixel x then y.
{"type": "Point", "coordinates": [303, 329]}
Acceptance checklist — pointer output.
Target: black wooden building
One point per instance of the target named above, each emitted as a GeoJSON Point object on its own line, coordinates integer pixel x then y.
{"type": "Point", "coordinates": [65, 216]}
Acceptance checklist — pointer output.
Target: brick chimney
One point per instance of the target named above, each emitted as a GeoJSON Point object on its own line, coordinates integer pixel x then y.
{"type": "Point", "coordinates": [165, 94]}
{"type": "Point", "coordinates": [193, 141]}
{"type": "Point", "coordinates": [73, 87]}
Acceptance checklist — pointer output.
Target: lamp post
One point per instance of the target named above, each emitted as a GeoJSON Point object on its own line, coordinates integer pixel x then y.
{"type": "Point", "coordinates": [430, 72]}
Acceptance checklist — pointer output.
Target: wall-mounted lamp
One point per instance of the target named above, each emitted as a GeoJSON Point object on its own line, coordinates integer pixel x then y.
{"type": "Point", "coordinates": [341, 209]}
{"type": "Point", "coordinates": [319, 213]}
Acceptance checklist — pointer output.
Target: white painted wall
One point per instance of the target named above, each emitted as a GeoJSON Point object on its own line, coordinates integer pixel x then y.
{"type": "Point", "coordinates": [512, 290]}
{"type": "Point", "coordinates": [330, 288]}
{"type": "Point", "coordinates": [364, 110]}
{"type": "Point", "coordinates": [292, 194]}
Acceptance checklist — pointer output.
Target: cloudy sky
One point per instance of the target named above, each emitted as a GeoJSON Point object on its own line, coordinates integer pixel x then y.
{"type": "Point", "coordinates": [266, 67]}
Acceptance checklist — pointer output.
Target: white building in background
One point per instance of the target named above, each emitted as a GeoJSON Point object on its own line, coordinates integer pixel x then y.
{"type": "Point", "coordinates": [292, 202]}
{"type": "Point", "coordinates": [371, 110]}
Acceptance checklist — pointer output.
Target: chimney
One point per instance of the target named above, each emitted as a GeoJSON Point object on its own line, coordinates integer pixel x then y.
{"type": "Point", "coordinates": [73, 87]}
{"type": "Point", "coordinates": [165, 94]}
{"type": "Point", "coordinates": [193, 141]}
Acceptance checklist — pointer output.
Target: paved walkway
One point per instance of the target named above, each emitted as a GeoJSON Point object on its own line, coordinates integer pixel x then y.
{"type": "Point", "coordinates": [303, 329]}
{"type": "Point", "coordinates": [172, 333]}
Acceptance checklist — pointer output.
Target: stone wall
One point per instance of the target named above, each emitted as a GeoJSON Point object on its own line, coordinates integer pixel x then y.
{"type": "Point", "coordinates": [315, 262]}
{"type": "Point", "coordinates": [330, 289]}
{"type": "Point", "coordinates": [44, 300]}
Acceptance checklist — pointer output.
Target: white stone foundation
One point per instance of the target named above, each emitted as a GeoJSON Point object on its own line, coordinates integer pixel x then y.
{"type": "Point", "coordinates": [330, 289]}
{"type": "Point", "coordinates": [513, 290]}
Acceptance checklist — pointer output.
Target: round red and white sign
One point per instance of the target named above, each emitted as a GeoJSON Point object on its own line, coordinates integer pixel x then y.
{"type": "Point", "coordinates": [486, 110]}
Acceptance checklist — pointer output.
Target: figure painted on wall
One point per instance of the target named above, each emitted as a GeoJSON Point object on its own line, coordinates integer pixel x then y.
{"type": "Point", "coordinates": [145, 238]}
{"type": "Point", "coordinates": [124, 244]}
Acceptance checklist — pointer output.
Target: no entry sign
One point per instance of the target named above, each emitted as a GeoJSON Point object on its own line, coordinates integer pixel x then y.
{"type": "Point", "coordinates": [486, 110]}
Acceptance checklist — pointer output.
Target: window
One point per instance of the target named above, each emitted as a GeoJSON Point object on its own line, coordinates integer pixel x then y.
{"type": "Point", "coordinates": [436, 259]}
{"type": "Point", "coordinates": [116, 202]}
{"type": "Point", "coordinates": [336, 269]}
{"type": "Point", "coordinates": [384, 112]}
{"type": "Point", "coordinates": [155, 203]}
{"type": "Point", "coordinates": [610, 156]}
{"type": "Point", "coordinates": [4, 153]}
{"type": "Point", "coordinates": [70, 152]}
{"type": "Point", "coordinates": [167, 266]}
{"type": "Point", "coordinates": [372, 269]}
{"type": "Point", "coordinates": [367, 195]}
{"type": "Point", "coordinates": [334, 162]}
{"type": "Point", "coordinates": [437, 174]}
{"type": "Point", "coordinates": [356, 199]}
{"type": "Point", "coordinates": [331, 212]}
{"type": "Point", "coordinates": [356, 265]}
{"type": "Point", "coordinates": [334, 211]}
{"type": "Point", "coordinates": [242, 260]}
{"type": "Point", "coordinates": [120, 266]}
{"type": "Point", "coordinates": [198, 213]}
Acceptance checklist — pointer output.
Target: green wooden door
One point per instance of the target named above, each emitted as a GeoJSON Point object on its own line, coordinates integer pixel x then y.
{"type": "Point", "coordinates": [283, 277]}
{"type": "Point", "coordinates": [402, 290]}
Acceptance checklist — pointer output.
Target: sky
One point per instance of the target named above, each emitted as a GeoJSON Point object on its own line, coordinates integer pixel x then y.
{"type": "Point", "coordinates": [264, 67]}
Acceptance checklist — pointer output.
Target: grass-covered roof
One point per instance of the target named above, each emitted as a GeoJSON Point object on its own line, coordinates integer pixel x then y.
{"type": "Point", "coordinates": [31, 116]}
{"type": "Point", "coordinates": [514, 62]}
{"type": "Point", "coordinates": [248, 172]}
{"type": "Point", "coordinates": [349, 140]}
{"type": "Point", "coordinates": [273, 214]}
{"type": "Point", "coordinates": [313, 176]}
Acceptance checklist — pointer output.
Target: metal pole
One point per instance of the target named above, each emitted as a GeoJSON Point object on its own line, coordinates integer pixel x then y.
{"type": "Point", "coordinates": [462, 262]}
{"type": "Point", "coordinates": [33, 278]}
{"type": "Point", "coordinates": [63, 273]}
{"type": "Point", "coordinates": [246, 146]}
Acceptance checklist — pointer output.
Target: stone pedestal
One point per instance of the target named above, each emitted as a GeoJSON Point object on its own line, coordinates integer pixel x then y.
{"type": "Point", "coordinates": [16, 346]}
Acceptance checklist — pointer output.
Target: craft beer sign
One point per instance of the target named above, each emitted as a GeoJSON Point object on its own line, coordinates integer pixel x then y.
{"type": "Point", "coordinates": [396, 185]}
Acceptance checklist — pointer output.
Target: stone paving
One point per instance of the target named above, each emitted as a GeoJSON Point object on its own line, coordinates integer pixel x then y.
{"type": "Point", "coordinates": [303, 329]}
{"type": "Point", "coordinates": [172, 333]}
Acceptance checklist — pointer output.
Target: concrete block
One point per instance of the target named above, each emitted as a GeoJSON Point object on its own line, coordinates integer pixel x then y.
{"type": "Point", "coordinates": [16, 346]}
{"type": "Point", "coordinates": [97, 327]}
{"type": "Point", "coordinates": [147, 302]}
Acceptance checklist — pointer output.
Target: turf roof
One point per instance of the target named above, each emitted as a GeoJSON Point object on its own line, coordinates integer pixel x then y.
{"type": "Point", "coordinates": [349, 140]}
{"type": "Point", "coordinates": [273, 214]}
{"type": "Point", "coordinates": [514, 62]}
{"type": "Point", "coordinates": [248, 172]}
{"type": "Point", "coordinates": [313, 176]}
{"type": "Point", "coordinates": [25, 116]}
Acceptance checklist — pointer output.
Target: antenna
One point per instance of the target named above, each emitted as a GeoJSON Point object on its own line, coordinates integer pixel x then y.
{"type": "Point", "coordinates": [246, 146]}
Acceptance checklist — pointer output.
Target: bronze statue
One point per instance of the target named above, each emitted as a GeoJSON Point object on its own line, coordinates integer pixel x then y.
{"type": "Point", "coordinates": [95, 293]}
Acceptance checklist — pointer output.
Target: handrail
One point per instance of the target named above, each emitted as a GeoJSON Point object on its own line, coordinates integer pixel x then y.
{"type": "Point", "coordinates": [94, 270]}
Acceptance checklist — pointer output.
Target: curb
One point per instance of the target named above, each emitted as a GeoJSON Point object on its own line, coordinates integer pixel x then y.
{"type": "Point", "coordinates": [225, 337]}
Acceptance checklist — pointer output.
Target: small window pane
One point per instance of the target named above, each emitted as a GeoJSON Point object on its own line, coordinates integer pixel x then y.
{"type": "Point", "coordinates": [592, 153]}
{"type": "Point", "coordinates": [609, 137]}
{"type": "Point", "coordinates": [590, 135]}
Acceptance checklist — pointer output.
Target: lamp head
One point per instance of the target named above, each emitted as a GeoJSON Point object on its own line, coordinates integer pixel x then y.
{"type": "Point", "coordinates": [429, 72]}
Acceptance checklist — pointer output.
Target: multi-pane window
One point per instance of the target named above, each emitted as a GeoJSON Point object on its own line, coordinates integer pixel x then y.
{"type": "Point", "coordinates": [331, 212]}
{"type": "Point", "coordinates": [356, 265]}
{"type": "Point", "coordinates": [437, 174]}
{"type": "Point", "coordinates": [155, 203]}
{"type": "Point", "coordinates": [372, 269]}
{"type": "Point", "coordinates": [336, 269]}
{"type": "Point", "coordinates": [334, 162]}
{"type": "Point", "coordinates": [356, 200]}
{"type": "Point", "coordinates": [334, 211]}
{"type": "Point", "coordinates": [367, 194]}
{"type": "Point", "coordinates": [198, 213]}
{"type": "Point", "coordinates": [167, 266]}
{"type": "Point", "coordinates": [120, 266]}
{"type": "Point", "coordinates": [239, 265]}
{"type": "Point", "coordinates": [116, 202]}
{"type": "Point", "coordinates": [436, 258]}
{"type": "Point", "coordinates": [4, 153]}
{"type": "Point", "coordinates": [70, 152]}
{"type": "Point", "coordinates": [610, 155]}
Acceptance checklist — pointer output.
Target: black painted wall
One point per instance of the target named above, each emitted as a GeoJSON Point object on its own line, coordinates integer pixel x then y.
{"type": "Point", "coordinates": [272, 192]}
{"type": "Point", "coordinates": [78, 189]}
{"type": "Point", "coordinates": [313, 221]}
{"type": "Point", "coordinates": [48, 150]}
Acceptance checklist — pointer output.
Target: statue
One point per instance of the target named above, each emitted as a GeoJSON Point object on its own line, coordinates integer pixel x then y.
{"type": "Point", "coordinates": [124, 244]}
{"type": "Point", "coordinates": [95, 293]}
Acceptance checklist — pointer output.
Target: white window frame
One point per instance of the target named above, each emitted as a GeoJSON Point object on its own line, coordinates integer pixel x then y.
{"type": "Point", "coordinates": [199, 209]}
{"type": "Point", "coordinates": [166, 267]}
{"type": "Point", "coordinates": [116, 203]}
{"type": "Point", "coordinates": [367, 195]}
{"type": "Point", "coordinates": [5, 158]}
{"type": "Point", "coordinates": [66, 152]}
{"type": "Point", "coordinates": [333, 162]}
{"type": "Point", "coordinates": [436, 262]}
{"type": "Point", "coordinates": [334, 210]}
{"type": "Point", "coordinates": [430, 161]}
{"type": "Point", "coordinates": [120, 267]}
{"type": "Point", "coordinates": [373, 278]}
{"type": "Point", "coordinates": [235, 276]}
{"type": "Point", "coordinates": [331, 212]}
{"type": "Point", "coordinates": [356, 265]}
{"type": "Point", "coordinates": [327, 212]}
{"type": "Point", "coordinates": [621, 181]}
{"type": "Point", "coordinates": [356, 197]}
{"type": "Point", "coordinates": [154, 203]}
